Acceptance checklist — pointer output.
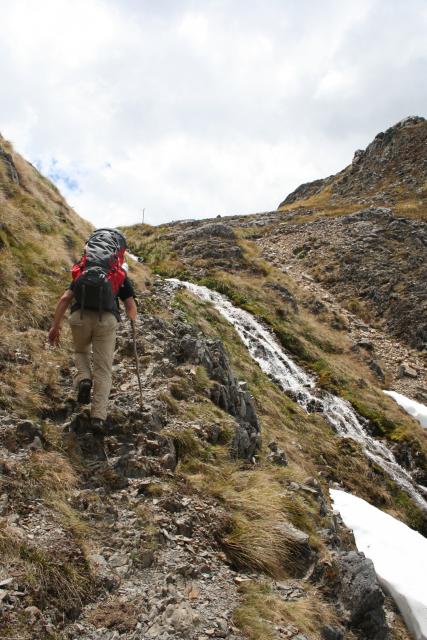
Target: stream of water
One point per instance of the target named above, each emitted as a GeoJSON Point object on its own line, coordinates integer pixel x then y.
{"type": "Point", "coordinates": [269, 354]}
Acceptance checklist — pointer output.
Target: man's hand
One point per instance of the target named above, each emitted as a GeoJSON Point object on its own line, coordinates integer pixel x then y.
{"type": "Point", "coordinates": [60, 310]}
{"type": "Point", "coordinates": [53, 336]}
{"type": "Point", "coordinates": [131, 309]}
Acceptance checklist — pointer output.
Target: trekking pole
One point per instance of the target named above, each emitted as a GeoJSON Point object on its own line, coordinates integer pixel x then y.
{"type": "Point", "coordinates": [132, 322]}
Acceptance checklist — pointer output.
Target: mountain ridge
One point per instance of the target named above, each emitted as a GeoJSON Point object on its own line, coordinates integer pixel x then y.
{"type": "Point", "coordinates": [390, 172]}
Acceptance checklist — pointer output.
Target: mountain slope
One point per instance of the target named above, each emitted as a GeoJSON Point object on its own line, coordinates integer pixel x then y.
{"type": "Point", "coordinates": [204, 513]}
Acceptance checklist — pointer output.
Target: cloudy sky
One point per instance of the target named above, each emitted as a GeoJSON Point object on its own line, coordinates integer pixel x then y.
{"type": "Point", "coordinates": [194, 108]}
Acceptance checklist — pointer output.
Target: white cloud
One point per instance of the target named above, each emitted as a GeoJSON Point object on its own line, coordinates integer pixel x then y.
{"type": "Point", "coordinates": [192, 109]}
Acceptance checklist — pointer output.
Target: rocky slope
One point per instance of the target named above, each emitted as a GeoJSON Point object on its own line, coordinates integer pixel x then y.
{"type": "Point", "coordinates": [204, 513]}
{"type": "Point", "coordinates": [390, 172]}
{"type": "Point", "coordinates": [373, 264]}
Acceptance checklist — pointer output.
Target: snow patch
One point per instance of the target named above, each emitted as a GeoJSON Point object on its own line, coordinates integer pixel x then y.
{"type": "Point", "coordinates": [415, 409]}
{"type": "Point", "coordinates": [399, 555]}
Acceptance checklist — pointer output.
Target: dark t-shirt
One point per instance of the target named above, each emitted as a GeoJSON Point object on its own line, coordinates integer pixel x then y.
{"type": "Point", "coordinates": [125, 291]}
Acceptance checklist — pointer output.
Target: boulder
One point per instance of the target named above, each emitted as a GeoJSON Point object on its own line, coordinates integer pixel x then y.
{"type": "Point", "coordinates": [406, 371]}
{"type": "Point", "coordinates": [362, 596]}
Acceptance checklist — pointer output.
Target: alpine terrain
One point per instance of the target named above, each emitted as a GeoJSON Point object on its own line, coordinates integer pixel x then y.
{"type": "Point", "coordinates": [266, 344]}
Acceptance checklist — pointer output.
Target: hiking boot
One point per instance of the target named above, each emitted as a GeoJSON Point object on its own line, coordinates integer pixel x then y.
{"type": "Point", "coordinates": [97, 426]}
{"type": "Point", "coordinates": [83, 396]}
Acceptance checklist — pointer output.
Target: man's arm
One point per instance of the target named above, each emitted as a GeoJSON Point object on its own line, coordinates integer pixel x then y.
{"type": "Point", "coordinates": [131, 309]}
{"type": "Point", "coordinates": [61, 308]}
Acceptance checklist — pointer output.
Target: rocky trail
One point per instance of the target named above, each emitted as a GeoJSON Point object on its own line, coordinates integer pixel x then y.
{"type": "Point", "coordinates": [151, 540]}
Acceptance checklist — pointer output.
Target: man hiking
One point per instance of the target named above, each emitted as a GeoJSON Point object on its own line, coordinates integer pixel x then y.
{"type": "Point", "coordinates": [99, 281]}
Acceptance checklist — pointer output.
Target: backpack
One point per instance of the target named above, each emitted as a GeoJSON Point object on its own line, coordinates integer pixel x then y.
{"type": "Point", "coordinates": [100, 274]}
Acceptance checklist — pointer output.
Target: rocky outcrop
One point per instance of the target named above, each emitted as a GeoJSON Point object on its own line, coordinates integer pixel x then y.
{"type": "Point", "coordinates": [362, 596]}
{"type": "Point", "coordinates": [7, 160]}
{"type": "Point", "coordinates": [305, 191]}
{"type": "Point", "coordinates": [391, 168]}
{"type": "Point", "coordinates": [209, 241]}
{"type": "Point", "coordinates": [227, 393]}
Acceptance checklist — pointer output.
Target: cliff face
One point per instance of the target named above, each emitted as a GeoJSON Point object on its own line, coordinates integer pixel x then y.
{"type": "Point", "coordinates": [205, 512]}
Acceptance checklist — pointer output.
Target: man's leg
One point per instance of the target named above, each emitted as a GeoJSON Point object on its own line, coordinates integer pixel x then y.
{"type": "Point", "coordinates": [81, 328]}
{"type": "Point", "coordinates": [103, 345]}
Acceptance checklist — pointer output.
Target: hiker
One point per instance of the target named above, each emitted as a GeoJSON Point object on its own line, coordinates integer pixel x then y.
{"type": "Point", "coordinates": [99, 281]}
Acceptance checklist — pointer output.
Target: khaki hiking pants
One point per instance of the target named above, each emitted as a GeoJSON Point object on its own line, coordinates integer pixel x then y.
{"type": "Point", "coordinates": [89, 332]}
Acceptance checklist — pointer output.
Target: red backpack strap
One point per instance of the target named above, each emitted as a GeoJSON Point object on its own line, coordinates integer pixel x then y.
{"type": "Point", "coordinates": [116, 277]}
{"type": "Point", "coordinates": [78, 268]}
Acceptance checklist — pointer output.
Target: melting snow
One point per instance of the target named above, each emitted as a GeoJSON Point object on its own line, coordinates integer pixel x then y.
{"type": "Point", "coordinates": [399, 555]}
{"type": "Point", "coordinates": [415, 409]}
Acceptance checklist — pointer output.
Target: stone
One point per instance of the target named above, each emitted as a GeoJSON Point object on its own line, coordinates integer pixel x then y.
{"type": "Point", "coordinates": [246, 442]}
{"type": "Point", "coordinates": [26, 430]}
{"type": "Point", "coordinates": [118, 560]}
{"type": "Point", "coordinates": [36, 444]}
{"type": "Point", "coordinates": [97, 559]}
{"type": "Point", "coordinates": [169, 461]}
{"type": "Point", "coordinates": [365, 344]}
{"type": "Point", "coordinates": [406, 371]}
{"type": "Point", "coordinates": [33, 613]}
{"type": "Point", "coordinates": [377, 370]}
{"type": "Point", "coordinates": [146, 558]}
{"type": "Point", "coordinates": [276, 455]}
{"type": "Point", "coordinates": [184, 526]}
{"type": "Point", "coordinates": [213, 433]}
{"type": "Point", "coordinates": [181, 617]}
{"type": "Point", "coordinates": [362, 595]}
{"type": "Point", "coordinates": [4, 583]}
{"type": "Point", "coordinates": [154, 631]}
{"type": "Point", "coordinates": [332, 633]}
{"type": "Point", "coordinates": [292, 533]}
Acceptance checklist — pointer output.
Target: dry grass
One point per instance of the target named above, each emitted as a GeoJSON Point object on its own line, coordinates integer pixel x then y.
{"type": "Point", "coordinates": [262, 611]}
{"type": "Point", "coordinates": [258, 506]}
{"type": "Point", "coordinates": [49, 472]}
{"type": "Point", "coordinates": [48, 576]}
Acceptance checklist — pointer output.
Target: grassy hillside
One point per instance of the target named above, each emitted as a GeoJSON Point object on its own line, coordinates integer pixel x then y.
{"type": "Point", "coordinates": [40, 238]}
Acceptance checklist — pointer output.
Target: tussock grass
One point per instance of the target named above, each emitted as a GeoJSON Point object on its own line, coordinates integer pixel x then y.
{"type": "Point", "coordinates": [262, 611]}
{"type": "Point", "coordinates": [186, 442]}
{"type": "Point", "coordinates": [50, 475]}
{"type": "Point", "coordinates": [49, 471]}
{"type": "Point", "coordinates": [49, 578]}
{"type": "Point", "coordinates": [256, 544]}
{"type": "Point", "coordinates": [64, 584]}
{"type": "Point", "coordinates": [172, 405]}
{"type": "Point", "coordinates": [258, 505]}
